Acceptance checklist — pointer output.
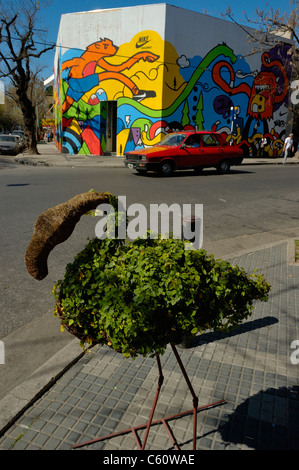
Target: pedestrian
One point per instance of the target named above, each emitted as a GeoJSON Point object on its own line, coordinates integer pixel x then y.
{"type": "Point", "coordinates": [288, 148]}
{"type": "Point", "coordinates": [263, 145]}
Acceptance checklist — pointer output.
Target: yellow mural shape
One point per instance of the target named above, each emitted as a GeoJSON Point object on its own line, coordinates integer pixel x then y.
{"type": "Point", "coordinates": [74, 126]}
{"type": "Point", "coordinates": [122, 138]}
{"type": "Point", "coordinates": [137, 70]}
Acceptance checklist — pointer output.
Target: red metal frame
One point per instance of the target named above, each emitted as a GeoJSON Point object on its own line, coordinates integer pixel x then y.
{"type": "Point", "coordinates": [141, 445]}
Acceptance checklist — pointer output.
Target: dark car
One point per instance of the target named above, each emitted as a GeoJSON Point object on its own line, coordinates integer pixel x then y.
{"type": "Point", "coordinates": [186, 150]}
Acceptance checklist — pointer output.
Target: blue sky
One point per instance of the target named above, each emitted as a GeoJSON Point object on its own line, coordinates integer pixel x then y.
{"type": "Point", "coordinates": [51, 14]}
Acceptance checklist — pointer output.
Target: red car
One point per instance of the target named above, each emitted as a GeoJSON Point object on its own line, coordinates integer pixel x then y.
{"type": "Point", "coordinates": [185, 150]}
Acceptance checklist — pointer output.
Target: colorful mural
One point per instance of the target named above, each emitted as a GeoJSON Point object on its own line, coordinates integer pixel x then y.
{"type": "Point", "coordinates": [157, 91]}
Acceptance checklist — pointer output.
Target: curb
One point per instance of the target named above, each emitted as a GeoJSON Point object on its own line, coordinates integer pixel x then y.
{"type": "Point", "coordinates": [79, 162]}
{"type": "Point", "coordinates": [25, 394]}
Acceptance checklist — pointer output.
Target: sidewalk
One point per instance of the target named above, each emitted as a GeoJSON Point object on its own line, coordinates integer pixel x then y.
{"type": "Point", "coordinates": [251, 369]}
{"type": "Point", "coordinates": [50, 156]}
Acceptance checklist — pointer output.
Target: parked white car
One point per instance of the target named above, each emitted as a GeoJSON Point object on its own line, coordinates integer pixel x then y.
{"type": "Point", "coordinates": [22, 138]}
{"type": "Point", "coordinates": [10, 144]}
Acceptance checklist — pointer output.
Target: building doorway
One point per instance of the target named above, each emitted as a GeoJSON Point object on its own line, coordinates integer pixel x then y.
{"type": "Point", "coordinates": [111, 123]}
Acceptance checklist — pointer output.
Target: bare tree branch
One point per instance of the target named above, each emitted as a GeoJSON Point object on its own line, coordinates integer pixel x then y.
{"type": "Point", "coordinates": [271, 29]}
{"type": "Point", "coordinates": [19, 28]}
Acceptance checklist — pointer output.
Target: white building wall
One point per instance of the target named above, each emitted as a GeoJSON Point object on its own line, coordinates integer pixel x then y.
{"type": "Point", "coordinates": [198, 32]}
{"type": "Point", "coordinates": [120, 24]}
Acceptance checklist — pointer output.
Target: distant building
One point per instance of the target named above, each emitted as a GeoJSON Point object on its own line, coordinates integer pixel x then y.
{"type": "Point", "coordinates": [125, 77]}
{"type": "Point", "coordinates": [48, 123]}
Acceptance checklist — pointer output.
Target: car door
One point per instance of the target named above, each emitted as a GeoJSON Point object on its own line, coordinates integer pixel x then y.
{"type": "Point", "coordinates": [191, 152]}
{"type": "Point", "coordinates": [225, 150]}
{"type": "Point", "coordinates": [212, 149]}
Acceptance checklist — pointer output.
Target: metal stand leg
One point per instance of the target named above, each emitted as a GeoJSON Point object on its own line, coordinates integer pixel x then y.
{"type": "Point", "coordinates": [160, 382]}
{"type": "Point", "coordinates": [164, 421]}
{"type": "Point", "coordinates": [195, 399]}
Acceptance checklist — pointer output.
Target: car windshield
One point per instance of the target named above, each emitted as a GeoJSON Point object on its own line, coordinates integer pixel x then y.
{"type": "Point", "coordinates": [10, 138]}
{"type": "Point", "coordinates": [172, 140]}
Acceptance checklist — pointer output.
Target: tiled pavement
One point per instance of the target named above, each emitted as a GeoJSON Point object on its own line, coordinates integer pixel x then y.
{"type": "Point", "coordinates": [250, 369]}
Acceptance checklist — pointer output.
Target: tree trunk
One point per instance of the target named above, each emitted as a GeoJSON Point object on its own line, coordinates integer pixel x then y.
{"type": "Point", "coordinates": [30, 133]}
{"type": "Point", "coordinates": [29, 116]}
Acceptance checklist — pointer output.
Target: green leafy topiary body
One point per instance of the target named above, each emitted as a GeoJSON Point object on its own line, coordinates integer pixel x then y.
{"type": "Point", "coordinates": [139, 296]}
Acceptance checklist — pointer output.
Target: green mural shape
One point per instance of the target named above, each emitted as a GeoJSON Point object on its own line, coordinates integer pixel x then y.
{"type": "Point", "coordinates": [199, 119]}
{"type": "Point", "coordinates": [84, 150]}
{"type": "Point", "coordinates": [219, 50]}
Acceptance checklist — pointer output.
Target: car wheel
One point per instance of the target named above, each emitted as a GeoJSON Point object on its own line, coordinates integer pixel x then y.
{"type": "Point", "coordinates": [223, 167]}
{"type": "Point", "coordinates": [167, 168]}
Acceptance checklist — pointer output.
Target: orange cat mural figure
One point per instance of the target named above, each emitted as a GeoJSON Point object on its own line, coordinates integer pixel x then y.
{"type": "Point", "coordinates": [82, 76]}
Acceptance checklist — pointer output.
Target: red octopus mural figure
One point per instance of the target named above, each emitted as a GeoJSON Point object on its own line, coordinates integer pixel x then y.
{"type": "Point", "coordinates": [264, 94]}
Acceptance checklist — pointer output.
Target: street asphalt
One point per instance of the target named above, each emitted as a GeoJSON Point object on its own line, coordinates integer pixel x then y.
{"type": "Point", "coordinates": [250, 376]}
